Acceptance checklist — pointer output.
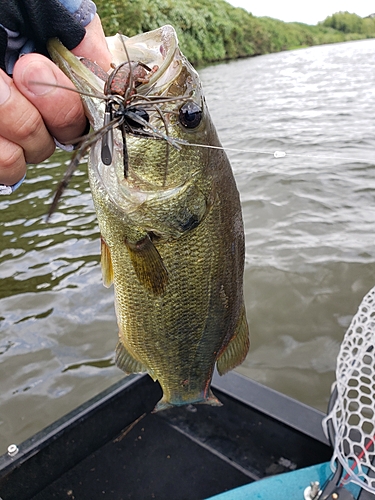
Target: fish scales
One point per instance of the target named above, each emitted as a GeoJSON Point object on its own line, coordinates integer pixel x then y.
{"type": "Point", "coordinates": [172, 235]}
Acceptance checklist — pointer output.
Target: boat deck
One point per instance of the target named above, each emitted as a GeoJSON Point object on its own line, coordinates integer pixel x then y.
{"type": "Point", "coordinates": [113, 447]}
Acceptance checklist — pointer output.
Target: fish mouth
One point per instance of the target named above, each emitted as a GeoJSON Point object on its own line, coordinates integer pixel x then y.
{"type": "Point", "coordinates": [158, 48]}
{"type": "Point", "coordinates": [154, 48]}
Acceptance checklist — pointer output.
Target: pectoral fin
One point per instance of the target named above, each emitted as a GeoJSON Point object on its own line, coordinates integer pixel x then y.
{"type": "Point", "coordinates": [236, 350]}
{"type": "Point", "coordinates": [148, 265]}
{"type": "Point", "coordinates": [125, 361]}
{"type": "Point", "coordinates": [106, 263]}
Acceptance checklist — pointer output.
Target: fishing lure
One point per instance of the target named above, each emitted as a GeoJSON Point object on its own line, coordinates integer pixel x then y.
{"type": "Point", "coordinates": [127, 110]}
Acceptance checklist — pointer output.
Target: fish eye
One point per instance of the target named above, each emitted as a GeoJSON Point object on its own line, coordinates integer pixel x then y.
{"type": "Point", "coordinates": [190, 115]}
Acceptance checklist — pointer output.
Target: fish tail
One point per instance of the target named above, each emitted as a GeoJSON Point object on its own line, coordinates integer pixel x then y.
{"type": "Point", "coordinates": [163, 404]}
{"type": "Point", "coordinates": [210, 399]}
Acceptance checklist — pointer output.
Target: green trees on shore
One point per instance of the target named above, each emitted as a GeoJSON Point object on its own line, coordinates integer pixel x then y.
{"type": "Point", "coordinates": [213, 30]}
{"type": "Point", "coordinates": [351, 23]}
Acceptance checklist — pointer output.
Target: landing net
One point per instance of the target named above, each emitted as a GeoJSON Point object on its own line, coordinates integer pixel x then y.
{"type": "Point", "coordinates": [352, 417]}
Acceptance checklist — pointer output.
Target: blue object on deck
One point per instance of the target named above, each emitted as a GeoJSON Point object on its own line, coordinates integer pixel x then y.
{"type": "Point", "coordinates": [287, 486]}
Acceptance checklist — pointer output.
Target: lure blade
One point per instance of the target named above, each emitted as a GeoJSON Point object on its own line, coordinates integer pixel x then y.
{"type": "Point", "coordinates": [107, 139]}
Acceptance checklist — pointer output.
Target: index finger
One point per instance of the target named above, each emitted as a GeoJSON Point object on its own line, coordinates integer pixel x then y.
{"type": "Point", "coordinates": [21, 123]}
{"type": "Point", "coordinates": [61, 109]}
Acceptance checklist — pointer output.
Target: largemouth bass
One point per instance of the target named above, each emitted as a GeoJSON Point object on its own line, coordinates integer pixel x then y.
{"type": "Point", "coordinates": [171, 223]}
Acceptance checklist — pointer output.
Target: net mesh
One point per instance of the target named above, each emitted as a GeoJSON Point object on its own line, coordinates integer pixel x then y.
{"type": "Point", "coordinates": [352, 416]}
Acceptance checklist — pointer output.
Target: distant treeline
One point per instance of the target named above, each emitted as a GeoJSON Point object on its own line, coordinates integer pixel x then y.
{"type": "Point", "coordinates": [213, 30]}
{"type": "Point", "coordinates": [351, 23]}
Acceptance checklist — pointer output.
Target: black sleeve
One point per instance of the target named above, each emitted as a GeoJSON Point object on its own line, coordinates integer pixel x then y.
{"type": "Point", "coordinates": [3, 47]}
{"type": "Point", "coordinates": [38, 20]}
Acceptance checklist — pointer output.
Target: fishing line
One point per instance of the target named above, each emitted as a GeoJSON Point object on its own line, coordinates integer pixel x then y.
{"type": "Point", "coordinates": [275, 154]}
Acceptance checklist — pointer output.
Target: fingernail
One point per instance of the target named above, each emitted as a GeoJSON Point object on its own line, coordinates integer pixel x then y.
{"type": "Point", "coordinates": [4, 91]}
{"type": "Point", "coordinates": [35, 75]}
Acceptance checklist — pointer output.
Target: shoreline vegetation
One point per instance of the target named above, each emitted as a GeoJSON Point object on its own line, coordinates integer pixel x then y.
{"type": "Point", "coordinates": [212, 30]}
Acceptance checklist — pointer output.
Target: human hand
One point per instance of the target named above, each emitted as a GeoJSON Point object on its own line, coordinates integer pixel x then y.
{"type": "Point", "coordinates": [31, 114]}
